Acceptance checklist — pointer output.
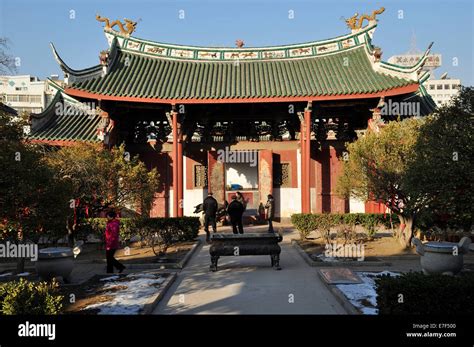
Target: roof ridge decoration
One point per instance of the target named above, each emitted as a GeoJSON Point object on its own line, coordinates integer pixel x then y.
{"type": "Point", "coordinates": [126, 30]}
{"type": "Point", "coordinates": [359, 35]}
{"type": "Point", "coordinates": [301, 50]}
{"type": "Point", "coordinates": [355, 23]}
{"type": "Point", "coordinates": [196, 53]}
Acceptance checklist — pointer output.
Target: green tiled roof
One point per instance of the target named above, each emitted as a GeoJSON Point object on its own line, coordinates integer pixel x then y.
{"type": "Point", "coordinates": [75, 126]}
{"type": "Point", "coordinates": [141, 76]}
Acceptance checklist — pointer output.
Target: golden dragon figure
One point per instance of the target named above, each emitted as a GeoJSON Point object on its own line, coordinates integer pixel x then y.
{"type": "Point", "coordinates": [356, 23]}
{"type": "Point", "coordinates": [128, 29]}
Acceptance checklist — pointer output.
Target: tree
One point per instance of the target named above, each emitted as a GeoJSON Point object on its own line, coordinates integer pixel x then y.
{"type": "Point", "coordinates": [33, 202]}
{"type": "Point", "coordinates": [377, 170]}
{"type": "Point", "coordinates": [104, 179]}
{"type": "Point", "coordinates": [7, 62]}
{"type": "Point", "coordinates": [443, 169]}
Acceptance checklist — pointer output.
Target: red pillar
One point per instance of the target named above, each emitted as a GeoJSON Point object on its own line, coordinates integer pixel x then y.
{"type": "Point", "coordinates": [177, 156]}
{"type": "Point", "coordinates": [303, 165]}
{"type": "Point", "coordinates": [305, 142]}
{"type": "Point", "coordinates": [180, 172]}
{"type": "Point", "coordinates": [307, 152]}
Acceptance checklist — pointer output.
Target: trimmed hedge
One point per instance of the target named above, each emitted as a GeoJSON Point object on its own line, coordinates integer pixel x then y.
{"type": "Point", "coordinates": [30, 298]}
{"type": "Point", "coordinates": [184, 228]}
{"type": "Point", "coordinates": [308, 222]}
{"type": "Point", "coordinates": [425, 294]}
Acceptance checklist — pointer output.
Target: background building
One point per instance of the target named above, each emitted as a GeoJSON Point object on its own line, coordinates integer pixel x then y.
{"type": "Point", "coordinates": [26, 93]}
{"type": "Point", "coordinates": [444, 89]}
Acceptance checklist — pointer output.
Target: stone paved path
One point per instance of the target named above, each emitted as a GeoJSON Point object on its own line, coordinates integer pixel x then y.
{"type": "Point", "coordinates": [248, 285]}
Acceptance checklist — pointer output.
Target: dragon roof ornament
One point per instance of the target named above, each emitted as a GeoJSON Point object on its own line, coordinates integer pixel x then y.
{"type": "Point", "coordinates": [125, 30]}
{"type": "Point", "coordinates": [355, 22]}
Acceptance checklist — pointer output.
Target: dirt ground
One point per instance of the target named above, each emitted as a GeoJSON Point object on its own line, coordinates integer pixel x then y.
{"type": "Point", "coordinates": [136, 254]}
{"type": "Point", "coordinates": [380, 246]}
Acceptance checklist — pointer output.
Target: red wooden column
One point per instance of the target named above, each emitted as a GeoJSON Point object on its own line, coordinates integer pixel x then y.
{"type": "Point", "coordinates": [177, 156]}
{"type": "Point", "coordinates": [303, 163]}
{"type": "Point", "coordinates": [305, 142]}
{"type": "Point", "coordinates": [307, 152]}
{"type": "Point", "coordinates": [180, 172]}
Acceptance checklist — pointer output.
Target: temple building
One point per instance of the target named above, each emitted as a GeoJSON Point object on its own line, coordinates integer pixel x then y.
{"type": "Point", "coordinates": [269, 120]}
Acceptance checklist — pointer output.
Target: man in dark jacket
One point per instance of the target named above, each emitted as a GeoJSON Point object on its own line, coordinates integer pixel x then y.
{"type": "Point", "coordinates": [235, 211]}
{"type": "Point", "coordinates": [209, 207]}
{"type": "Point", "coordinates": [270, 212]}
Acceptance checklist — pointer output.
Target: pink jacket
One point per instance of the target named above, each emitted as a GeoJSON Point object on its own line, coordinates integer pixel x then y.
{"type": "Point", "coordinates": [112, 234]}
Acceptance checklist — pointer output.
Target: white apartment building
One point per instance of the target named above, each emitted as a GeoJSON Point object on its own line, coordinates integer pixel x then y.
{"type": "Point", "coordinates": [443, 90]}
{"type": "Point", "coordinates": [26, 93]}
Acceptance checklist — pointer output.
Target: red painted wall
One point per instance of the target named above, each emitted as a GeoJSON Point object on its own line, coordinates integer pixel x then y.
{"type": "Point", "coordinates": [192, 159]}
{"type": "Point", "coordinates": [326, 167]}
{"type": "Point", "coordinates": [288, 156]}
{"type": "Point", "coordinates": [374, 207]}
{"type": "Point", "coordinates": [163, 163]}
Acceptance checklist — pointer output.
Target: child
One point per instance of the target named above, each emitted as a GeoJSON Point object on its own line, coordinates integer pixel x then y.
{"type": "Point", "coordinates": [112, 242]}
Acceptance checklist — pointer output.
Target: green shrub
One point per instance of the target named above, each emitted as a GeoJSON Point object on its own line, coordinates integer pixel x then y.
{"type": "Point", "coordinates": [324, 224]}
{"type": "Point", "coordinates": [30, 298]}
{"type": "Point", "coordinates": [307, 222]}
{"type": "Point", "coordinates": [369, 225]}
{"type": "Point", "coordinates": [188, 228]}
{"type": "Point", "coordinates": [425, 294]}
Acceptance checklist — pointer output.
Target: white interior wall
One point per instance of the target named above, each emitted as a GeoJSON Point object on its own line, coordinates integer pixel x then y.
{"type": "Point", "coordinates": [243, 174]}
{"type": "Point", "coordinates": [356, 206]}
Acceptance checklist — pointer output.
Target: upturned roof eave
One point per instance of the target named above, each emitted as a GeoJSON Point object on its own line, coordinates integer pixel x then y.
{"type": "Point", "coordinates": [66, 69]}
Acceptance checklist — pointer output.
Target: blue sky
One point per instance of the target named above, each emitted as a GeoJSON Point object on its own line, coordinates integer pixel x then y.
{"type": "Point", "coordinates": [32, 24]}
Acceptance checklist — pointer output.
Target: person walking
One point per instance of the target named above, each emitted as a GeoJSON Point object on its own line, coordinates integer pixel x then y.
{"type": "Point", "coordinates": [112, 231]}
{"type": "Point", "coordinates": [209, 207]}
{"type": "Point", "coordinates": [270, 212]}
{"type": "Point", "coordinates": [235, 211]}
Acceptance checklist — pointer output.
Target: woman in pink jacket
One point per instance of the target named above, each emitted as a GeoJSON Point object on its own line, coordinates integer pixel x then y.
{"type": "Point", "coordinates": [112, 242]}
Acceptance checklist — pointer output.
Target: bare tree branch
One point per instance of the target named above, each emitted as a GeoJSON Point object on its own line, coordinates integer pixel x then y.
{"type": "Point", "coordinates": [7, 62]}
